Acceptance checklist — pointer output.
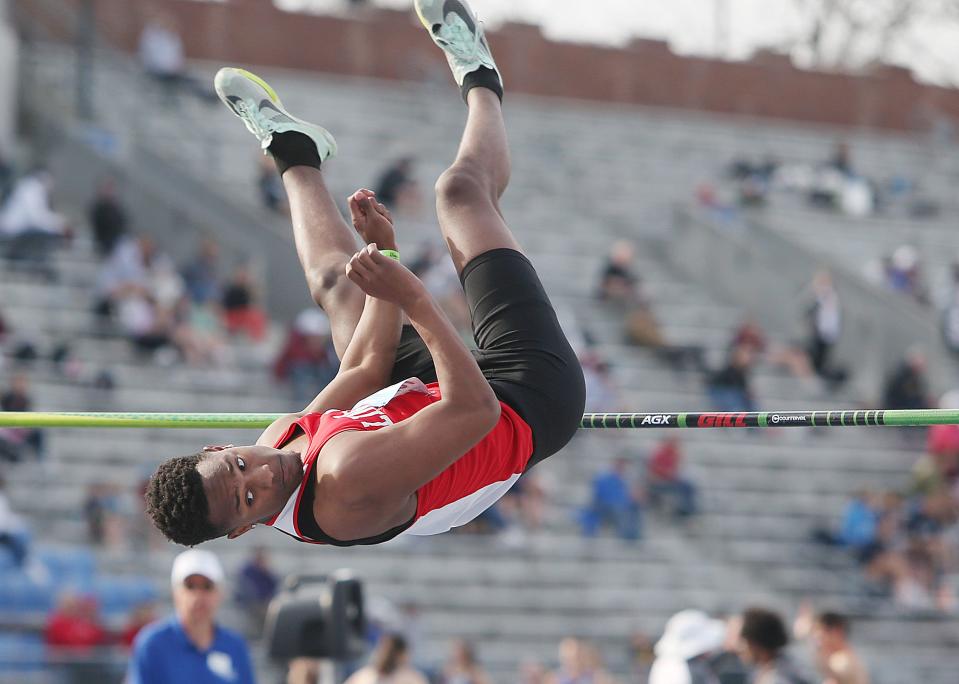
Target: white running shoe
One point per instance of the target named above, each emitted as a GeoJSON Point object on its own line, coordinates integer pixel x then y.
{"type": "Point", "coordinates": [253, 100]}
{"type": "Point", "coordinates": [455, 28]}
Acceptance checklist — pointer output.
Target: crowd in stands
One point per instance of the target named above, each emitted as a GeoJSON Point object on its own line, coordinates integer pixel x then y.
{"type": "Point", "coordinates": [752, 647]}
{"type": "Point", "coordinates": [620, 496]}
{"type": "Point", "coordinates": [905, 540]}
{"type": "Point", "coordinates": [190, 313]}
{"type": "Point", "coordinates": [836, 184]}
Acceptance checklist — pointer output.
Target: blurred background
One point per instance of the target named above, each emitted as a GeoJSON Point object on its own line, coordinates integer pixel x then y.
{"type": "Point", "coordinates": [735, 205]}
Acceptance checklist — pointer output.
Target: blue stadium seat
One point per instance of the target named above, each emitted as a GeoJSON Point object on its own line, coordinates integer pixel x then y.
{"type": "Point", "coordinates": [21, 652]}
{"type": "Point", "coordinates": [122, 594]}
{"type": "Point", "coordinates": [68, 565]}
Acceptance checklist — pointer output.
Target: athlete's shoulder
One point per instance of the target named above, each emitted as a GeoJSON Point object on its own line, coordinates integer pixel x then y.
{"type": "Point", "coordinates": [277, 429]}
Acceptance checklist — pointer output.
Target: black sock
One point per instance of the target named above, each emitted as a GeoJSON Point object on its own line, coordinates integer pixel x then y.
{"type": "Point", "coordinates": [483, 77]}
{"type": "Point", "coordinates": [293, 149]}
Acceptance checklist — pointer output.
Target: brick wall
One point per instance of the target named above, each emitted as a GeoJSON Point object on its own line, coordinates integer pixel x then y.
{"type": "Point", "coordinates": [391, 45]}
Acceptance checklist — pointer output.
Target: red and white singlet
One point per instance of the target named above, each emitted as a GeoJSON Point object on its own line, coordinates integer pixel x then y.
{"type": "Point", "coordinates": [454, 497]}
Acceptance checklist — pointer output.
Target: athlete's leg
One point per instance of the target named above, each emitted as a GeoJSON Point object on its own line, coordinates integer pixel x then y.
{"type": "Point", "coordinates": [521, 347]}
{"type": "Point", "coordinates": [468, 192]}
{"type": "Point", "coordinates": [324, 242]}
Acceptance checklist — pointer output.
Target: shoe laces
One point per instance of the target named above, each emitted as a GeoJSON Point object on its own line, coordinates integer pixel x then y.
{"type": "Point", "coordinates": [259, 123]}
{"type": "Point", "coordinates": [459, 40]}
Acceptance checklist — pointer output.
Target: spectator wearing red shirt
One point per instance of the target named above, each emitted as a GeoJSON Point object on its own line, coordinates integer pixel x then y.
{"type": "Point", "coordinates": [74, 629]}
{"type": "Point", "coordinates": [241, 313]}
{"type": "Point", "coordinates": [665, 479]}
{"type": "Point", "coordinates": [308, 361]}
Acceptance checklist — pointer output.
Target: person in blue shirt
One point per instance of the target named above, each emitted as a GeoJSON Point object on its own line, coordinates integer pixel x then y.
{"type": "Point", "coordinates": [614, 501]}
{"type": "Point", "coordinates": [190, 646]}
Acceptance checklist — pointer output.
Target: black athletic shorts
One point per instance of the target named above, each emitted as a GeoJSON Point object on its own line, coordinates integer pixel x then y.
{"type": "Point", "coordinates": [521, 349]}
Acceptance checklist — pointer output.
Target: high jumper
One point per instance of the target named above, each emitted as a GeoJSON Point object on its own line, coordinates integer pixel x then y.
{"type": "Point", "coordinates": [453, 429]}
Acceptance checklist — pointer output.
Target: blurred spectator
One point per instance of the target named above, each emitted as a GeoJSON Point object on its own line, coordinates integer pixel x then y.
{"type": "Point", "coordinates": [17, 398]}
{"type": "Point", "coordinates": [255, 587]}
{"type": "Point", "coordinates": [268, 181]}
{"type": "Point", "coordinates": [950, 310]}
{"type": "Point", "coordinates": [793, 358]}
{"type": "Point", "coordinates": [841, 159]}
{"type": "Point", "coordinates": [903, 273]}
{"type": "Point", "coordinates": [825, 324]}
{"type": "Point", "coordinates": [532, 672]}
{"type": "Point", "coordinates": [642, 654]}
{"type": "Point", "coordinates": [938, 468]}
{"type": "Point", "coordinates": [754, 180]}
{"type": "Point", "coordinates": [463, 667]}
{"type": "Point", "coordinates": [162, 58]}
{"type": "Point", "coordinates": [108, 217]}
{"type": "Point", "coordinates": [860, 521]}
{"type": "Point", "coordinates": [389, 662]}
{"type": "Point", "coordinates": [729, 388]}
{"type": "Point", "coordinates": [579, 663]}
{"type": "Point", "coordinates": [75, 630]}
{"type": "Point", "coordinates": [619, 282]}
{"type": "Point", "coordinates": [304, 671]}
{"type": "Point", "coordinates": [106, 513]}
{"type": "Point", "coordinates": [201, 274]}
{"type": "Point", "coordinates": [683, 653]}
{"type": "Point", "coordinates": [596, 671]}
{"type": "Point", "coordinates": [141, 616]}
{"type": "Point", "coordinates": [29, 226]}
{"type": "Point", "coordinates": [191, 646]}
{"type": "Point", "coordinates": [571, 667]}
{"type": "Point", "coordinates": [307, 361]}
{"type": "Point", "coordinates": [727, 664]}
{"type": "Point", "coordinates": [615, 501]}
{"type": "Point", "coordinates": [397, 188]}
{"type": "Point", "coordinates": [764, 640]}
{"type": "Point", "coordinates": [438, 274]}
{"type": "Point", "coordinates": [13, 532]}
{"type": "Point", "coordinates": [664, 479]}
{"type": "Point", "coordinates": [75, 623]}
{"type": "Point", "coordinates": [125, 273]}
{"type": "Point", "coordinates": [241, 313]}
{"type": "Point", "coordinates": [6, 177]}
{"type": "Point", "coordinates": [906, 387]}
{"type": "Point", "coordinates": [620, 286]}
{"type": "Point", "coordinates": [836, 660]}
{"type": "Point", "coordinates": [602, 395]}
{"type": "Point", "coordinates": [525, 501]}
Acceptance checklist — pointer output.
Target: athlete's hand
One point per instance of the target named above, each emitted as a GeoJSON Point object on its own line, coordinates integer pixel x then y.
{"type": "Point", "coordinates": [372, 220]}
{"type": "Point", "coordinates": [385, 278]}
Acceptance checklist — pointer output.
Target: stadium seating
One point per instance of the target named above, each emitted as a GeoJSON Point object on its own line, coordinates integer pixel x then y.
{"type": "Point", "coordinates": [584, 175]}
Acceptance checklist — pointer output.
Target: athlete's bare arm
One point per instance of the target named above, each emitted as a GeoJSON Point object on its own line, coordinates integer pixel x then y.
{"type": "Point", "coordinates": [368, 360]}
{"type": "Point", "coordinates": [368, 480]}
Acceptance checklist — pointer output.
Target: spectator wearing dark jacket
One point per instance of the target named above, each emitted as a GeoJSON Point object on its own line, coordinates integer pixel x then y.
{"type": "Point", "coordinates": [763, 642]}
{"type": "Point", "coordinates": [108, 217]}
{"type": "Point", "coordinates": [906, 388]}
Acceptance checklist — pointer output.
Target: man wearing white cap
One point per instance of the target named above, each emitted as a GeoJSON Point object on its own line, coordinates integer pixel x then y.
{"type": "Point", "coordinates": [189, 646]}
{"type": "Point", "coordinates": [681, 653]}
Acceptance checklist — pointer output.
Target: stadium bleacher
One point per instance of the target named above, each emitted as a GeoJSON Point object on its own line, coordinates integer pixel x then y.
{"type": "Point", "coordinates": [583, 176]}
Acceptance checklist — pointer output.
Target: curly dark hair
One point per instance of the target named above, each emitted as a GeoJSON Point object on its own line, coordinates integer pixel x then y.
{"type": "Point", "coordinates": [177, 502]}
{"type": "Point", "coordinates": [765, 629]}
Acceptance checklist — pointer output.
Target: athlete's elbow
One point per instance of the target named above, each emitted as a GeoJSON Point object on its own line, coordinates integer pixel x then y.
{"type": "Point", "coordinates": [488, 413]}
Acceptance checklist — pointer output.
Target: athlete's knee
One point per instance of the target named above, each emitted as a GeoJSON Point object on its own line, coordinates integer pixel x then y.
{"type": "Point", "coordinates": [465, 183]}
{"type": "Point", "coordinates": [328, 278]}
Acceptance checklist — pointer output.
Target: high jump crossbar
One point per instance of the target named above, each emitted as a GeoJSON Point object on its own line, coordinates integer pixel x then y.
{"type": "Point", "coordinates": [762, 419]}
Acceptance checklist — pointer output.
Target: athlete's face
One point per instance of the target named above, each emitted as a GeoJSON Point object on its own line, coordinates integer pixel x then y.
{"type": "Point", "coordinates": [249, 484]}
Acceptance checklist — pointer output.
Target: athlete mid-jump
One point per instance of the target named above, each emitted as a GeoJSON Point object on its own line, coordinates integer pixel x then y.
{"type": "Point", "coordinates": [361, 464]}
